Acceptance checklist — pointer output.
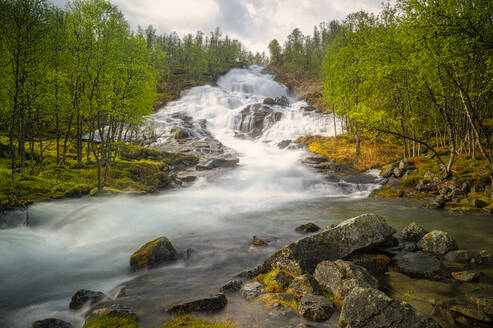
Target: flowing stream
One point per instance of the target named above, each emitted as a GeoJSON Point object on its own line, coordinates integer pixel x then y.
{"type": "Point", "coordinates": [86, 243]}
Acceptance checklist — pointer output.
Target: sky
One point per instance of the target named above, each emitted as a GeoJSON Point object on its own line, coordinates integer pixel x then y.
{"type": "Point", "coordinates": [254, 22]}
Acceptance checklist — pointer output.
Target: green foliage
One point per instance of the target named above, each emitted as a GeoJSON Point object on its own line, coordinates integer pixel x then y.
{"type": "Point", "coordinates": [107, 321]}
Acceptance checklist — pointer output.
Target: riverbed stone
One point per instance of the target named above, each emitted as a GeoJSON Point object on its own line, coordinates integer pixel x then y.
{"type": "Point", "coordinates": [308, 228]}
{"type": "Point", "coordinates": [367, 231]}
{"type": "Point", "coordinates": [315, 308]}
{"type": "Point", "coordinates": [283, 279]}
{"type": "Point", "coordinates": [258, 242]}
{"type": "Point", "coordinates": [412, 232]}
{"type": "Point", "coordinates": [340, 277]}
{"type": "Point", "coordinates": [205, 305]}
{"type": "Point", "coordinates": [465, 276]}
{"type": "Point", "coordinates": [458, 256]}
{"type": "Point", "coordinates": [376, 264]}
{"type": "Point", "coordinates": [418, 265]}
{"type": "Point", "coordinates": [368, 307]}
{"type": "Point", "coordinates": [51, 323]}
{"type": "Point", "coordinates": [152, 254]}
{"type": "Point", "coordinates": [269, 101]}
{"type": "Point", "coordinates": [85, 297]}
{"type": "Point", "coordinates": [437, 242]}
{"type": "Point", "coordinates": [251, 290]}
{"type": "Point", "coordinates": [305, 285]}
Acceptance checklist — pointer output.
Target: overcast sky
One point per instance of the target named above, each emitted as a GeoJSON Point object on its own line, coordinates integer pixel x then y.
{"type": "Point", "coordinates": [253, 22]}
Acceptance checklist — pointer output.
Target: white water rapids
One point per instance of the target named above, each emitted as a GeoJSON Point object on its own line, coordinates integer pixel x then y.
{"type": "Point", "coordinates": [86, 243]}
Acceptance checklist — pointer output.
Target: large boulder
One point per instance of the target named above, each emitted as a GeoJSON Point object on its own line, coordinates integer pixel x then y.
{"type": "Point", "coordinates": [253, 119]}
{"type": "Point", "coordinates": [152, 254]}
{"type": "Point", "coordinates": [315, 308]}
{"type": "Point", "coordinates": [437, 242]}
{"type": "Point", "coordinates": [418, 265]}
{"type": "Point", "coordinates": [367, 231]}
{"type": "Point", "coordinates": [412, 232]}
{"type": "Point", "coordinates": [208, 305]}
{"type": "Point", "coordinates": [340, 277]}
{"type": "Point", "coordinates": [367, 307]}
{"type": "Point", "coordinates": [51, 323]}
{"type": "Point", "coordinates": [85, 297]}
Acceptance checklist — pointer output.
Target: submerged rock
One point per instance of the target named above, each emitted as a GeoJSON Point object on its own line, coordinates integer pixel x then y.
{"type": "Point", "coordinates": [418, 265]}
{"type": "Point", "coordinates": [284, 144]}
{"type": "Point", "coordinates": [258, 242]}
{"type": "Point", "coordinates": [340, 277]}
{"type": "Point", "coordinates": [86, 297]}
{"type": "Point", "coordinates": [315, 308]}
{"type": "Point", "coordinates": [437, 242]}
{"type": "Point", "coordinates": [111, 310]}
{"type": "Point", "coordinates": [412, 232]}
{"type": "Point", "coordinates": [152, 254]}
{"type": "Point", "coordinates": [51, 323]}
{"type": "Point", "coordinates": [466, 276]}
{"type": "Point", "coordinates": [208, 305]}
{"type": "Point", "coordinates": [458, 256]}
{"type": "Point", "coordinates": [308, 228]}
{"type": "Point", "coordinates": [367, 307]}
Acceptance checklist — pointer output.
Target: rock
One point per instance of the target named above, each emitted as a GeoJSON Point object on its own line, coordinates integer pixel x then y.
{"type": "Point", "coordinates": [458, 256]}
{"type": "Point", "coordinates": [258, 242]}
{"type": "Point", "coordinates": [388, 172]}
{"type": "Point", "coordinates": [251, 290]}
{"type": "Point", "coordinates": [217, 163]}
{"type": "Point", "coordinates": [376, 264]}
{"type": "Point", "coordinates": [340, 277]}
{"type": "Point", "coordinates": [153, 254]}
{"type": "Point", "coordinates": [86, 297]}
{"type": "Point", "coordinates": [485, 257]}
{"type": "Point", "coordinates": [208, 305]}
{"type": "Point", "coordinates": [466, 276]}
{"type": "Point", "coordinates": [393, 182]}
{"type": "Point", "coordinates": [232, 286]}
{"type": "Point", "coordinates": [308, 108]}
{"type": "Point", "coordinates": [418, 265]}
{"type": "Point", "coordinates": [253, 119]}
{"type": "Point", "coordinates": [439, 202]}
{"type": "Point", "coordinates": [282, 101]}
{"type": "Point", "coordinates": [456, 193]}
{"type": "Point", "coordinates": [111, 310]}
{"type": "Point", "coordinates": [412, 232]}
{"type": "Point", "coordinates": [466, 187]}
{"type": "Point", "coordinates": [437, 242]}
{"type": "Point", "coordinates": [478, 203]}
{"type": "Point", "coordinates": [367, 231]}
{"type": "Point", "coordinates": [315, 308]}
{"type": "Point", "coordinates": [269, 101]}
{"type": "Point", "coordinates": [284, 144]}
{"type": "Point", "coordinates": [367, 307]}
{"type": "Point", "coordinates": [398, 172]}
{"type": "Point", "coordinates": [472, 312]}
{"type": "Point", "coordinates": [283, 279]}
{"type": "Point", "coordinates": [305, 285]}
{"type": "Point", "coordinates": [484, 302]}
{"type": "Point", "coordinates": [308, 228]}
{"type": "Point", "coordinates": [405, 165]}
{"type": "Point", "coordinates": [51, 323]}
{"type": "Point", "coordinates": [426, 186]}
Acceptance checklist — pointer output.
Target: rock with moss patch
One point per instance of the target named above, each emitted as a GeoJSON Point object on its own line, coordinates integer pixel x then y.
{"type": "Point", "coordinates": [479, 203]}
{"type": "Point", "coordinates": [51, 323]}
{"type": "Point", "coordinates": [305, 285]}
{"type": "Point", "coordinates": [308, 228]}
{"type": "Point", "coordinates": [85, 297]}
{"type": "Point", "coordinates": [111, 310]}
{"type": "Point", "coordinates": [152, 254]}
{"type": "Point", "coordinates": [376, 264]}
{"type": "Point", "coordinates": [315, 308]}
{"type": "Point", "coordinates": [283, 279]}
{"type": "Point", "coordinates": [439, 202]}
{"type": "Point", "coordinates": [367, 307]}
{"type": "Point", "coordinates": [388, 172]}
{"type": "Point", "coordinates": [412, 232]}
{"type": "Point", "coordinates": [466, 276]}
{"type": "Point", "coordinates": [340, 277]}
{"type": "Point", "coordinates": [206, 305]}
{"type": "Point", "coordinates": [437, 242]}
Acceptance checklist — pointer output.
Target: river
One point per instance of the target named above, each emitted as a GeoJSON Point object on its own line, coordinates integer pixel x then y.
{"type": "Point", "coordinates": [86, 242]}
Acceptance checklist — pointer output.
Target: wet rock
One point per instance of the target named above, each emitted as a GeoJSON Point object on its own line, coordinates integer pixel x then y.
{"type": "Point", "coordinates": [251, 290]}
{"type": "Point", "coordinates": [315, 308]}
{"type": "Point", "coordinates": [269, 101]}
{"type": "Point", "coordinates": [412, 232]}
{"type": "Point", "coordinates": [426, 186]}
{"type": "Point", "coordinates": [51, 323]}
{"type": "Point", "coordinates": [111, 310]}
{"type": "Point", "coordinates": [437, 242]}
{"type": "Point", "coordinates": [181, 134]}
{"type": "Point", "coordinates": [456, 193]}
{"type": "Point", "coordinates": [232, 286]}
{"type": "Point", "coordinates": [398, 172]}
{"type": "Point", "coordinates": [283, 279]}
{"type": "Point", "coordinates": [340, 277]}
{"type": "Point", "coordinates": [284, 144]}
{"type": "Point", "coordinates": [393, 182]}
{"type": "Point", "coordinates": [478, 203]}
{"type": "Point", "coordinates": [367, 231]}
{"type": "Point", "coordinates": [208, 305]}
{"type": "Point", "coordinates": [217, 163]}
{"type": "Point", "coordinates": [405, 165]}
{"type": "Point", "coordinates": [418, 265]}
{"type": "Point", "coordinates": [388, 172]}
{"type": "Point", "coordinates": [376, 264]}
{"type": "Point", "coordinates": [484, 302]}
{"type": "Point", "coordinates": [153, 254]}
{"type": "Point", "coordinates": [253, 119]}
{"type": "Point", "coordinates": [282, 101]}
{"type": "Point", "coordinates": [367, 307]}
{"type": "Point", "coordinates": [308, 228]}
{"type": "Point", "coordinates": [439, 202]}
{"type": "Point", "coordinates": [86, 298]}
{"type": "Point", "coordinates": [485, 257]}
{"type": "Point", "coordinates": [458, 256]}
{"type": "Point", "coordinates": [308, 108]}
{"type": "Point", "coordinates": [305, 285]}
{"type": "Point", "coordinates": [466, 276]}
{"type": "Point", "coordinates": [258, 242]}
{"type": "Point", "coordinates": [472, 312]}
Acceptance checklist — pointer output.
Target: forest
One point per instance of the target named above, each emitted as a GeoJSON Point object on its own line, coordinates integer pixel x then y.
{"type": "Point", "coordinates": [419, 70]}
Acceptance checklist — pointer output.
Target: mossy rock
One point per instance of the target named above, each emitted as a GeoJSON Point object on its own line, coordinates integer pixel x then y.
{"type": "Point", "coordinates": [152, 254]}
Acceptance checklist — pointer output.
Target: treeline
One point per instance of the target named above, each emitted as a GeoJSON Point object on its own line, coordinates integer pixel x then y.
{"type": "Point", "coordinates": [81, 78]}
{"type": "Point", "coordinates": [420, 70]}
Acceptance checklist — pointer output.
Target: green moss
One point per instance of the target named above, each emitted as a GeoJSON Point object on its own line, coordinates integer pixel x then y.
{"type": "Point", "coordinates": [106, 321]}
{"type": "Point", "coordinates": [187, 321]}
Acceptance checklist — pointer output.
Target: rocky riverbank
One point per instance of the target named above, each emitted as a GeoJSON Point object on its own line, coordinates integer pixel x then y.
{"type": "Point", "coordinates": [359, 273]}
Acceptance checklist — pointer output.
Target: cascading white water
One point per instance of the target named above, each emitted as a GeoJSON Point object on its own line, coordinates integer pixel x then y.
{"type": "Point", "coordinates": [86, 243]}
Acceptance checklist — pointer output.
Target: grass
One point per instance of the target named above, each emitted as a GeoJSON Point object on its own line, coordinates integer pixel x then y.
{"type": "Point", "coordinates": [187, 321]}
{"type": "Point", "coordinates": [375, 152]}
{"type": "Point", "coordinates": [106, 321]}
{"type": "Point", "coordinates": [138, 170]}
